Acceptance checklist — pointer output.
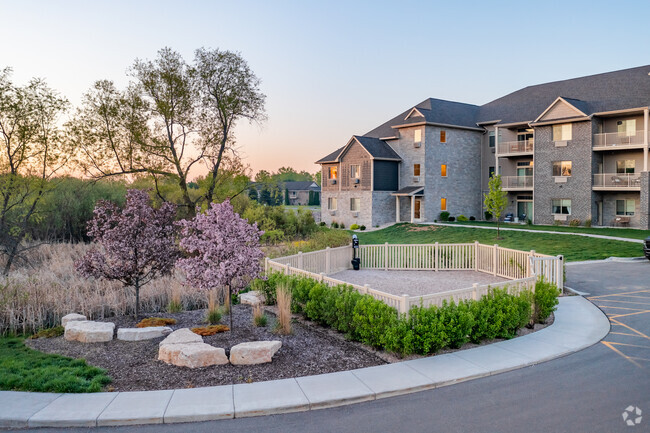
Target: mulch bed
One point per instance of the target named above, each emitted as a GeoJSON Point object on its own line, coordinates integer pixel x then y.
{"type": "Point", "coordinates": [134, 366]}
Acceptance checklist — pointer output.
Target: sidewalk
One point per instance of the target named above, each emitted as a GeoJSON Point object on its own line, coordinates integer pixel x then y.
{"type": "Point", "coordinates": [578, 325]}
{"type": "Point", "coordinates": [587, 235]}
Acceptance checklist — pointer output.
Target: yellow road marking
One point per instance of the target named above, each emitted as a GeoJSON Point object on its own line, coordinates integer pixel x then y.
{"type": "Point", "coordinates": [620, 308]}
{"type": "Point", "coordinates": [640, 359]}
{"type": "Point", "coordinates": [628, 302]}
{"type": "Point", "coordinates": [626, 344]}
{"type": "Point", "coordinates": [629, 314]}
{"type": "Point", "coordinates": [617, 294]}
{"type": "Point", "coordinates": [622, 354]}
{"type": "Point", "coordinates": [639, 333]}
{"type": "Point", "coordinates": [623, 333]}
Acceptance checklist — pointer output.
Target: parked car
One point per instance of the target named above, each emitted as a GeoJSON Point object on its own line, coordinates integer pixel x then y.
{"type": "Point", "coordinates": [646, 247]}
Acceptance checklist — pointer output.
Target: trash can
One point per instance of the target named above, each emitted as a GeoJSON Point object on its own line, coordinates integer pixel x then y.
{"type": "Point", "coordinates": [355, 263]}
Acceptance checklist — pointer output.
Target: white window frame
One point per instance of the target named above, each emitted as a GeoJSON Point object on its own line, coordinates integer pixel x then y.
{"type": "Point", "coordinates": [626, 205]}
{"type": "Point", "coordinates": [419, 169]}
{"type": "Point", "coordinates": [352, 171]}
{"type": "Point", "coordinates": [562, 168]}
{"type": "Point", "coordinates": [627, 164]}
{"type": "Point", "coordinates": [329, 172]}
{"type": "Point", "coordinates": [562, 203]}
{"type": "Point", "coordinates": [417, 136]}
{"type": "Point", "coordinates": [563, 132]}
{"type": "Point", "coordinates": [627, 128]}
{"type": "Point", "coordinates": [331, 201]}
{"type": "Point", "coordinates": [355, 204]}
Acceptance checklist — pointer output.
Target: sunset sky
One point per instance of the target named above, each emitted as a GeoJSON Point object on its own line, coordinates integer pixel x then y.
{"type": "Point", "coordinates": [330, 69]}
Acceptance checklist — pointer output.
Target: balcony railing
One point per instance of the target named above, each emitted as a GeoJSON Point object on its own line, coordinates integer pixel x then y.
{"type": "Point", "coordinates": [617, 180]}
{"type": "Point", "coordinates": [616, 139]}
{"type": "Point", "coordinates": [517, 182]}
{"type": "Point", "coordinates": [516, 147]}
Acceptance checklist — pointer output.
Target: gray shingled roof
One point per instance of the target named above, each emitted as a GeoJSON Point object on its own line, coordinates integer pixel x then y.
{"type": "Point", "coordinates": [378, 149]}
{"type": "Point", "coordinates": [629, 88]}
{"type": "Point", "coordinates": [410, 190]}
{"type": "Point", "coordinates": [332, 157]}
{"type": "Point", "coordinates": [305, 185]}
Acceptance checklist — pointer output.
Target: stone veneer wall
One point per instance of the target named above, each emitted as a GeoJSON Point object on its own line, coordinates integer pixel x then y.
{"type": "Point", "coordinates": [343, 213]}
{"type": "Point", "coordinates": [577, 187]}
{"type": "Point", "coordinates": [644, 205]}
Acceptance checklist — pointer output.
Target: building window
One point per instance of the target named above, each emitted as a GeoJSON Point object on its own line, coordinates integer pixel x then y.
{"type": "Point", "coordinates": [443, 136]}
{"type": "Point", "coordinates": [333, 172]}
{"type": "Point", "coordinates": [443, 170]}
{"type": "Point", "coordinates": [490, 171]}
{"type": "Point", "coordinates": [626, 128]}
{"type": "Point", "coordinates": [355, 171]}
{"type": "Point", "coordinates": [562, 132]}
{"type": "Point", "coordinates": [355, 204]}
{"type": "Point", "coordinates": [491, 139]}
{"type": "Point", "coordinates": [418, 136]}
{"type": "Point", "coordinates": [625, 166]}
{"type": "Point", "coordinates": [561, 206]}
{"type": "Point", "coordinates": [443, 204]}
{"type": "Point", "coordinates": [562, 168]}
{"type": "Point", "coordinates": [416, 169]}
{"type": "Point", "coordinates": [625, 207]}
{"type": "Point", "coordinates": [331, 203]}
{"type": "Point", "coordinates": [292, 194]}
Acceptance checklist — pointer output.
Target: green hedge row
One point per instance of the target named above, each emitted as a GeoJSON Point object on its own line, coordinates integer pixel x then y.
{"type": "Point", "coordinates": [424, 330]}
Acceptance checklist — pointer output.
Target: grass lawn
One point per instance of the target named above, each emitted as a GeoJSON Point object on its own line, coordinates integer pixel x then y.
{"type": "Point", "coordinates": [574, 248]}
{"type": "Point", "coordinates": [604, 231]}
{"type": "Point", "coordinates": [24, 369]}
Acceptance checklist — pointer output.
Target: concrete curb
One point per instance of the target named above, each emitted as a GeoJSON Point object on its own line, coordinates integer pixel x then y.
{"type": "Point", "coordinates": [578, 325]}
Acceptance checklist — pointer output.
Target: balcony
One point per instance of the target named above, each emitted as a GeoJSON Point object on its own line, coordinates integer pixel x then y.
{"type": "Point", "coordinates": [517, 183]}
{"type": "Point", "coordinates": [516, 148]}
{"type": "Point", "coordinates": [617, 140]}
{"type": "Point", "coordinates": [617, 182]}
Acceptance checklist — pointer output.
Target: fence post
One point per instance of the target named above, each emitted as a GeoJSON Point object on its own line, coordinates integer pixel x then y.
{"type": "Point", "coordinates": [475, 292]}
{"type": "Point", "coordinates": [404, 304]}
{"type": "Point", "coordinates": [321, 275]}
{"type": "Point", "coordinates": [437, 255]}
{"type": "Point", "coordinates": [365, 288]}
{"type": "Point", "coordinates": [530, 269]}
{"type": "Point", "coordinates": [494, 260]}
{"type": "Point", "coordinates": [266, 265]}
{"type": "Point", "coordinates": [286, 269]}
{"type": "Point", "coordinates": [475, 256]}
{"type": "Point", "coordinates": [328, 260]}
{"type": "Point", "coordinates": [386, 256]}
{"type": "Point", "coordinates": [300, 260]}
{"type": "Point", "coordinates": [560, 272]}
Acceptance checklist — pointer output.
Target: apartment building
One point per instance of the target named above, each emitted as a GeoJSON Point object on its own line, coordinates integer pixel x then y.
{"type": "Point", "coordinates": [575, 149]}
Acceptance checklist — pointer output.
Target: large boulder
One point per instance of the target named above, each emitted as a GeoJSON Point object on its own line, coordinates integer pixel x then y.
{"type": "Point", "coordinates": [254, 352]}
{"type": "Point", "coordinates": [89, 332]}
{"type": "Point", "coordinates": [72, 318]}
{"type": "Point", "coordinates": [181, 336]}
{"type": "Point", "coordinates": [138, 334]}
{"type": "Point", "coordinates": [192, 355]}
{"type": "Point", "coordinates": [251, 298]}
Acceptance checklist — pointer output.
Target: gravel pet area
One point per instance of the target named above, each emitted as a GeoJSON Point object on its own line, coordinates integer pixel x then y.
{"type": "Point", "coordinates": [416, 283]}
{"type": "Point", "coordinates": [134, 365]}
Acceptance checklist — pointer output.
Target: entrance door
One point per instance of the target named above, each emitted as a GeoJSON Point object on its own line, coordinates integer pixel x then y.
{"type": "Point", "coordinates": [525, 210]}
{"type": "Point", "coordinates": [416, 211]}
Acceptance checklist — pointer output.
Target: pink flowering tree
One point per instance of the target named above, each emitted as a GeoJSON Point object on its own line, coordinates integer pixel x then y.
{"type": "Point", "coordinates": [136, 244]}
{"type": "Point", "coordinates": [222, 250]}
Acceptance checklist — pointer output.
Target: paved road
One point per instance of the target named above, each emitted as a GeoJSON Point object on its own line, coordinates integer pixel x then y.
{"type": "Point", "coordinates": [584, 392]}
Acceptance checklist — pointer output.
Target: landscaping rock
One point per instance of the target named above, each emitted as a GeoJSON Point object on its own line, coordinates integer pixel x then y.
{"type": "Point", "coordinates": [254, 352]}
{"type": "Point", "coordinates": [138, 334]}
{"type": "Point", "coordinates": [89, 332]}
{"type": "Point", "coordinates": [72, 318]}
{"type": "Point", "coordinates": [181, 336]}
{"type": "Point", "coordinates": [192, 355]}
{"type": "Point", "coordinates": [251, 298]}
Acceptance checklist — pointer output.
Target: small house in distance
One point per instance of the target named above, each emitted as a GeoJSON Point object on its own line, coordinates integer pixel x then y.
{"type": "Point", "coordinates": [302, 193]}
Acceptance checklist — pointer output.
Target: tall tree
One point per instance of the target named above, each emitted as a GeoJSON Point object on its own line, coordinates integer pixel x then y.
{"type": "Point", "coordinates": [496, 199]}
{"type": "Point", "coordinates": [222, 250]}
{"type": "Point", "coordinates": [137, 243]}
{"type": "Point", "coordinates": [229, 92]}
{"type": "Point", "coordinates": [32, 153]}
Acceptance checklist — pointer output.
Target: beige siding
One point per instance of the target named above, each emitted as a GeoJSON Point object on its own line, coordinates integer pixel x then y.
{"type": "Point", "coordinates": [561, 110]}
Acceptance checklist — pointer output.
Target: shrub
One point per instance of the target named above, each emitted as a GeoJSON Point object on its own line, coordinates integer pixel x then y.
{"type": "Point", "coordinates": [444, 216]}
{"type": "Point", "coordinates": [472, 218]}
{"type": "Point", "coordinates": [557, 223]}
{"type": "Point", "coordinates": [545, 299]}
{"type": "Point", "coordinates": [362, 228]}
{"type": "Point", "coordinates": [451, 219]}
{"type": "Point", "coordinates": [354, 227]}
{"type": "Point", "coordinates": [175, 304]}
{"type": "Point", "coordinates": [499, 315]}
{"type": "Point", "coordinates": [213, 316]}
{"type": "Point", "coordinates": [272, 237]}
{"type": "Point", "coordinates": [588, 222]}
{"type": "Point", "coordinates": [259, 318]}
{"type": "Point", "coordinates": [57, 331]}
{"type": "Point", "coordinates": [462, 218]}
{"type": "Point", "coordinates": [322, 224]}
{"type": "Point", "coordinates": [342, 226]}
{"type": "Point", "coordinates": [575, 222]}
{"type": "Point", "coordinates": [371, 320]}
{"type": "Point", "coordinates": [335, 225]}
{"type": "Point", "coordinates": [321, 306]}
{"type": "Point", "coordinates": [206, 331]}
{"type": "Point", "coordinates": [488, 216]}
{"type": "Point", "coordinates": [155, 321]}
{"type": "Point", "coordinates": [344, 303]}
{"type": "Point", "coordinates": [283, 294]}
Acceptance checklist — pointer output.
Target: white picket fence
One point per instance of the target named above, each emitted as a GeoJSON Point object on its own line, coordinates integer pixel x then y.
{"type": "Point", "coordinates": [521, 268]}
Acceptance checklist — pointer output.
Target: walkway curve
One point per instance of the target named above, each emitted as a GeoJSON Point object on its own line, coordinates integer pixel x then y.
{"type": "Point", "coordinates": [578, 324]}
{"type": "Point", "coordinates": [587, 235]}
